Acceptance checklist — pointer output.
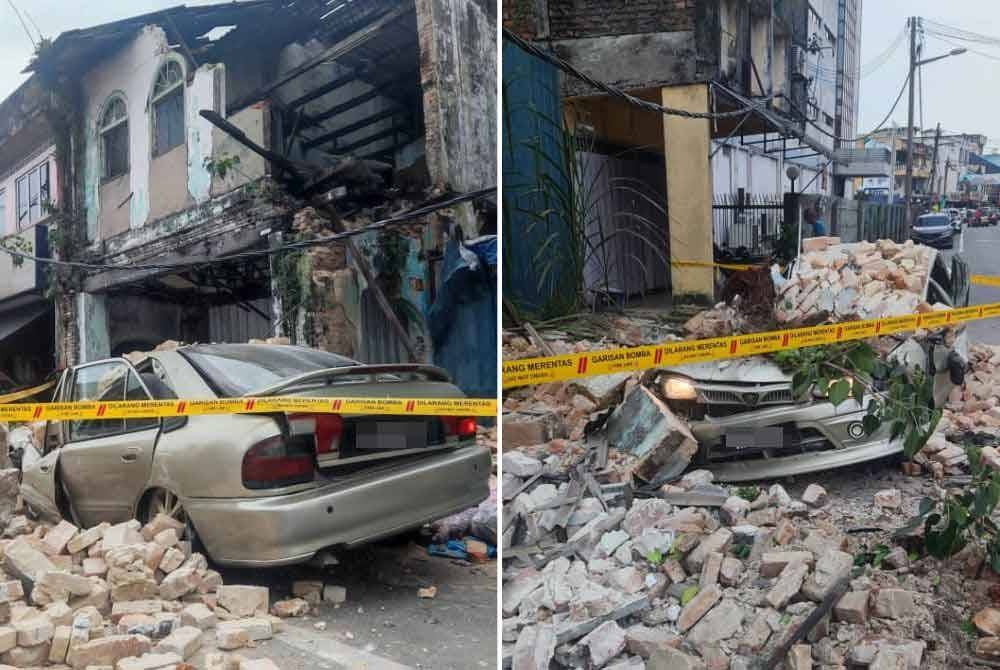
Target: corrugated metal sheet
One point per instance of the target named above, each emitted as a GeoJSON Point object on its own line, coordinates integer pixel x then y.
{"type": "Point", "coordinates": [532, 153]}
{"type": "Point", "coordinates": [238, 323]}
{"type": "Point", "coordinates": [379, 343]}
{"type": "Point", "coordinates": [629, 214]}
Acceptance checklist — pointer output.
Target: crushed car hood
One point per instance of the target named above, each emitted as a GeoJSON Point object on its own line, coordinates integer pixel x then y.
{"type": "Point", "coordinates": [753, 370]}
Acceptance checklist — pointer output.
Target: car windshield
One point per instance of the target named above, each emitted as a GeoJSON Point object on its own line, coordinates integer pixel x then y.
{"type": "Point", "coordinates": [236, 369]}
{"type": "Point", "coordinates": [932, 221]}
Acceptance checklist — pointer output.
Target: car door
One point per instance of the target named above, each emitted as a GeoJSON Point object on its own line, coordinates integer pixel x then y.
{"type": "Point", "coordinates": [105, 464]}
{"type": "Point", "coordinates": [38, 466]}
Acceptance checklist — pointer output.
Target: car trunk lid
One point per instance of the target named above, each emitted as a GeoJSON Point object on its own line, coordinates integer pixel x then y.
{"type": "Point", "coordinates": [348, 442]}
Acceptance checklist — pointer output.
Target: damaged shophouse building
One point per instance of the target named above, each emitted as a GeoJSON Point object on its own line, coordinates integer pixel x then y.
{"type": "Point", "coordinates": [153, 148]}
{"type": "Point", "coordinates": [768, 85]}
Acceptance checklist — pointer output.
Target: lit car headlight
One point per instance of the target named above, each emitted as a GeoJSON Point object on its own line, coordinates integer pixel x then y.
{"type": "Point", "coordinates": [677, 388]}
{"type": "Point", "coordinates": [824, 392]}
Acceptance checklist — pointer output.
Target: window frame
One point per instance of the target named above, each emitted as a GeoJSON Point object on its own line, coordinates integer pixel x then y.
{"type": "Point", "coordinates": [177, 88]}
{"type": "Point", "coordinates": [104, 128]}
{"type": "Point", "coordinates": [25, 178]}
{"type": "Point", "coordinates": [70, 396]}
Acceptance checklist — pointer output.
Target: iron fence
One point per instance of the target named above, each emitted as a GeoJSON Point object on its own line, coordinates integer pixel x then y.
{"type": "Point", "coordinates": [746, 225]}
{"type": "Point", "coordinates": [879, 221]}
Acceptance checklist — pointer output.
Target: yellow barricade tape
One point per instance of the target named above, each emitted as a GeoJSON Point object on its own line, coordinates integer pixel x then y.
{"type": "Point", "coordinates": [985, 280]}
{"type": "Point", "coordinates": [710, 264]}
{"type": "Point", "coordinates": [25, 393]}
{"type": "Point", "coordinates": [155, 409]}
{"type": "Point", "coordinates": [529, 371]}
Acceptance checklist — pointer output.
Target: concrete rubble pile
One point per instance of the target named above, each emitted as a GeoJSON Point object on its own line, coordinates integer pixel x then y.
{"type": "Point", "coordinates": [651, 584]}
{"type": "Point", "coordinates": [122, 597]}
{"type": "Point", "coordinates": [861, 279]}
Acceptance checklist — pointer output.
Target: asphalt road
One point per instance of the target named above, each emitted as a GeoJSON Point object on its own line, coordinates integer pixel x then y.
{"type": "Point", "coordinates": [981, 249]}
{"type": "Point", "coordinates": [384, 625]}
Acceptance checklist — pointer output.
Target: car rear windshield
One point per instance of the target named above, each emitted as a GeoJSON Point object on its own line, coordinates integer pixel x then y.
{"type": "Point", "coordinates": [237, 369]}
{"type": "Point", "coordinates": [932, 221]}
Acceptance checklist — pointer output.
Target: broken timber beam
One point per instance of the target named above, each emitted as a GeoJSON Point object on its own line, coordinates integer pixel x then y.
{"type": "Point", "coordinates": [330, 213]}
{"type": "Point", "coordinates": [780, 651]}
{"type": "Point", "coordinates": [341, 48]}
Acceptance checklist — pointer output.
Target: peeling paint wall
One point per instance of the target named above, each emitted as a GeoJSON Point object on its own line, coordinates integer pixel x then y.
{"type": "Point", "coordinates": [459, 72]}
{"type": "Point", "coordinates": [92, 321]}
{"type": "Point", "coordinates": [153, 187]}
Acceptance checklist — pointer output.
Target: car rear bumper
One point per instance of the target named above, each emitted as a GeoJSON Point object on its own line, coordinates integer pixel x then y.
{"type": "Point", "coordinates": [283, 530]}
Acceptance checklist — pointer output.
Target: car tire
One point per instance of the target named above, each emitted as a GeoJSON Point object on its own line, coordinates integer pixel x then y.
{"type": "Point", "coordinates": [164, 501]}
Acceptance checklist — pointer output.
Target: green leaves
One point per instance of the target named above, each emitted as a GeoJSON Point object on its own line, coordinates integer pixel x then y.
{"type": "Point", "coordinates": [655, 556]}
{"type": "Point", "coordinates": [688, 594]}
{"type": "Point", "coordinates": [839, 390]}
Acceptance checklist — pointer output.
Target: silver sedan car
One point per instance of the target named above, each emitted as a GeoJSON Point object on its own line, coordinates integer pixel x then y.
{"type": "Point", "coordinates": [258, 490]}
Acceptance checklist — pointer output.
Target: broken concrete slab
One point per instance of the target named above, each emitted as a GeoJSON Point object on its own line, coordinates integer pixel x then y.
{"type": "Point", "coordinates": [645, 428]}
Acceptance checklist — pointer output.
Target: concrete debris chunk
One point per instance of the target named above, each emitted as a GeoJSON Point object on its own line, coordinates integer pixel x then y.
{"type": "Point", "coordinates": [645, 428]}
{"type": "Point", "coordinates": [604, 643]}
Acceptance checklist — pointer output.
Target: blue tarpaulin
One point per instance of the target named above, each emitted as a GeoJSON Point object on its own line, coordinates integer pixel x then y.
{"type": "Point", "coordinates": [463, 319]}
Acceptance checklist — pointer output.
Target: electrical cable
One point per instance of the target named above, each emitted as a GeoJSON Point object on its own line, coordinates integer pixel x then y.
{"type": "Point", "coordinates": [876, 63]}
{"type": "Point", "coordinates": [852, 140]}
{"type": "Point", "coordinates": [399, 219]}
{"type": "Point", "coordinates": [569, 69]}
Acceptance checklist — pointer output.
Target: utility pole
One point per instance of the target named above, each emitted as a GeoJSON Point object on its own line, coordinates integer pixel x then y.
{"type": "Point", "coordinates": [944, 186]}
{"type": "Point", "coordinates": [908, 186]}
{"type": "Point", "coordinates": [937, 138]}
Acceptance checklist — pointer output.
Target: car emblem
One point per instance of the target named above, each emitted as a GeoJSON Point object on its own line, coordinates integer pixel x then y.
{"type": "Point", "coordinates": [751, 398]}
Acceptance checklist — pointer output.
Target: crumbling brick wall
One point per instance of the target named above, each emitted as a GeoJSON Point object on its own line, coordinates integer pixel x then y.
{"type": "Point", "coordinates": [570, 19]}
{"type": "Point", "coordinates": [324, 317]}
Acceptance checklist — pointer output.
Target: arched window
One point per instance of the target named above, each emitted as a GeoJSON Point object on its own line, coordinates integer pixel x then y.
{"type": "Point", "coordinates": [168, 107]}
{"type": "Point", "coordinates": [113, 131]}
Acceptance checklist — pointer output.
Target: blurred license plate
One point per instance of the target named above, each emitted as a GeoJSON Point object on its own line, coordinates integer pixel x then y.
{"type": "Point", "coordinates": [754, 438]}
{"type": "Point", "coordinates": [391, 435]}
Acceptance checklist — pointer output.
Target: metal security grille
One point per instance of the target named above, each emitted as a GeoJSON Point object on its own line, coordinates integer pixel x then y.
{"type": "Point", "coordinates": [747, 225]}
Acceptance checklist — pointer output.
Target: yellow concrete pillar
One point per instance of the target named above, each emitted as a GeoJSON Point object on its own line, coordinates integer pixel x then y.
{"type": "Point", "coordinates": [686, 144]}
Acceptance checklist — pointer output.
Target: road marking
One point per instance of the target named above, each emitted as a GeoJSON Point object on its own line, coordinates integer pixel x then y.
{"type": "Point", "coordinates": [329, 649]}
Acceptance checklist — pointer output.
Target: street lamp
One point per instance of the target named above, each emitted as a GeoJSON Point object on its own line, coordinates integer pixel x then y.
{"type": "Point", "coordinates": [954, 52]}
{"type": "Point", "coordinates": [914, 64]}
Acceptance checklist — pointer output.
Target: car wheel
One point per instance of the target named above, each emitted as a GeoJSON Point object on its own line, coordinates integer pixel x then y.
{"type": "Point", "coordinates": [164, 501]}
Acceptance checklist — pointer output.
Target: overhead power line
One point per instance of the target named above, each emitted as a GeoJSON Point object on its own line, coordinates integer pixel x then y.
{"type": "Point", "coordinates": [645, 104]}
{"type": "Point", "coordinates": [399, 219]}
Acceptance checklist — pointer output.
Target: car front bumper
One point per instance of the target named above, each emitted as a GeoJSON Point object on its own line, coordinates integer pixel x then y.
{"type": "Point", "coordinates": [831, 433]}
{"type": "Point", "coordinates": [936, 240]}
{"type": "Point", "coordinates": [288, 529]}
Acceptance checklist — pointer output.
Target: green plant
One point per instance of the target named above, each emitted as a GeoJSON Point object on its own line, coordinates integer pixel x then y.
{"type": "Point", "coordinates": [748, 493]}
{"type": "Point", "coordinates": [221, 165]}
{"type": "Point", "coordinates": [897, 395]}
{"type": "Point", "coordinates": [740, 550]}
{"type": "Point", "coordinates": [873, 558]}
{"type": "Point", "coordinates": [18, 245]}
{"type": "Point", "coordinates": [688, 594]}
{"type": "Point", "coordinates": [968, 628]}
{"type": "Point", "coordinates": [655, 556]}
{"type": "Point", "coordinates": [559, 199]}
{"type": "Point", "coordinates": [962, 516]}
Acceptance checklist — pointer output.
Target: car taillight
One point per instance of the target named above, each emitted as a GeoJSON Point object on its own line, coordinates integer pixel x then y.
{"type": "Point", "coordinates": [459, 426]}
{"type": "Point", "coordinates": [275, 462]}
{"type": "Point", "coordinates": [326, 430]}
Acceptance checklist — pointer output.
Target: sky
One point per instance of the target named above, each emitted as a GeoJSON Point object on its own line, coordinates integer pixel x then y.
{"type": "Point", "coordinates": [959, 92]}
{"type": "Point", "coordinates": [55, 16]}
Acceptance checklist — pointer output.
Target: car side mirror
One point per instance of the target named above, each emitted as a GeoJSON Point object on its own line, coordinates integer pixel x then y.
{"type": "Point", "coordinates": [956, 368]}
{"type": "Point", "coordinates": [173, 423]}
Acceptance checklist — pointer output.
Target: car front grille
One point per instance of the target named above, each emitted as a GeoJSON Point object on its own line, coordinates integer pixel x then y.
{"type": "Point", "coordinates": [745, 396]}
